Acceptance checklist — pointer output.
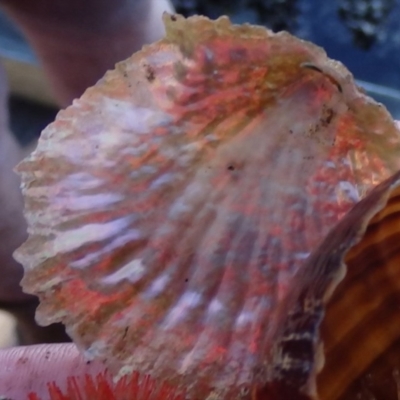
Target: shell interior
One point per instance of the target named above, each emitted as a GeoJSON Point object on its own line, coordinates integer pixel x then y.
{"type": "Point", "coordinates": [189, 215]}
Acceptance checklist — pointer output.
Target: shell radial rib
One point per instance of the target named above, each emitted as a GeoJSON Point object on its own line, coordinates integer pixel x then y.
{"type": "Point", "coordinates": [189, 215]}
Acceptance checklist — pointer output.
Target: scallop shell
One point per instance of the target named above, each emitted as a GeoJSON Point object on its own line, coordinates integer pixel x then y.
{"type": "Point", "coordinates": [189, 215]}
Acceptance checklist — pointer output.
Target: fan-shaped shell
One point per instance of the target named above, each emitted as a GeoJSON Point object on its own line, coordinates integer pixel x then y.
{"type": "Point", "coordinates": [188, 215]}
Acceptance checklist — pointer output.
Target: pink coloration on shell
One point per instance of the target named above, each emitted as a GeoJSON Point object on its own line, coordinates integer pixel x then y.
{"type": "Point", "coordinates": [102, 387]}
{"type": "Point", "coordinates": [172, 208]}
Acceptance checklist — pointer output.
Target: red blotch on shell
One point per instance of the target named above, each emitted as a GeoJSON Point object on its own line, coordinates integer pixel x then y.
{"type": "Point", "coordinates": [101, 387]}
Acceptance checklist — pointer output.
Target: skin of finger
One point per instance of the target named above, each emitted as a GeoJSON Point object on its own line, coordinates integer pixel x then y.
{"type": "Point", "coordinates": [30, 368]}
{"type": "Point", "coordinates": [77, 42]}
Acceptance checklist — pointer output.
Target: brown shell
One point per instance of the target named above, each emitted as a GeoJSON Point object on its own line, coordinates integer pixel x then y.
{"type": "Point", "coordinates": [189, 215]}
{"type": "Point", "coordinates": [361, 329]}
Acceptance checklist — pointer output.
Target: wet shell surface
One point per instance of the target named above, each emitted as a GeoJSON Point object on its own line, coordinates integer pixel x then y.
{"type": "Point", "coordinates": [189, 216]}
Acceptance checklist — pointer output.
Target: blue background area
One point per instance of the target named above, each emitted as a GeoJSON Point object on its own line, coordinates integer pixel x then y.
{"type": "Point", "coordinates": [320, 23]}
